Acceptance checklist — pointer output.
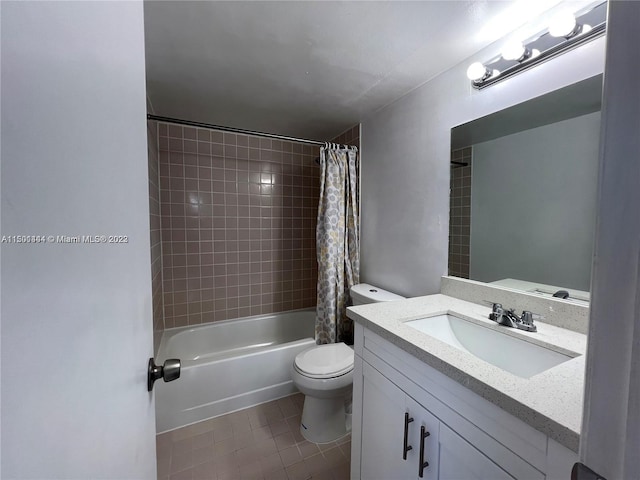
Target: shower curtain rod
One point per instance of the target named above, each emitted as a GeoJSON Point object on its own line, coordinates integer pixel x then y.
{"type": "Point", "coordinates": [234, 130]}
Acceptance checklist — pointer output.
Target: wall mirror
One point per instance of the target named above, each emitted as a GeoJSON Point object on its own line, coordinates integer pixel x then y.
{"type": "Point", "coordinates": [523, 194]}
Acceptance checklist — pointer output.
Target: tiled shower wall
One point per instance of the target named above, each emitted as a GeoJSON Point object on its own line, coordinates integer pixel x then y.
{"type": "Point", "coordinates": [460, 213]}
{"type": "Point", "coordinates": [238, 225]}
{"type": "Point", "coordinates": [154, 227]}
{"type": "Point", "coordinates": [349, 137]}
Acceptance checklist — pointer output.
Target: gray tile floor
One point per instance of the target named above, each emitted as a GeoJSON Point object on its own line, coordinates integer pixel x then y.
{"type": "Point", "coordinates": [261, 442]}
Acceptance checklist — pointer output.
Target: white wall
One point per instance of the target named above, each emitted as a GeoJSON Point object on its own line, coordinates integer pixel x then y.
{"type": "Point", "coordinates": [533, 204]}
{"type": "Point", "coordinates": [76, 318]}
{"type": "Point", "coordinates": [405, 164]}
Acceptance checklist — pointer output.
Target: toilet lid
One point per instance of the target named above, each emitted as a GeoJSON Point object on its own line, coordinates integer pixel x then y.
{"type": "Point", "coordinates": [325, 361]}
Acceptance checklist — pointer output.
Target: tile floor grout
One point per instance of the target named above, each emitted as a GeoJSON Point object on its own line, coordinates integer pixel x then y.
{"type": "Point", "coordinates": [257, 443]}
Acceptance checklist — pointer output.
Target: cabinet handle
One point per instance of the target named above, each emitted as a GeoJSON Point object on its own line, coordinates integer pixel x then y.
{"type": "Point", "coordinates": [406, 448]}
{"type": "Point", "coordinates": [423, 434]}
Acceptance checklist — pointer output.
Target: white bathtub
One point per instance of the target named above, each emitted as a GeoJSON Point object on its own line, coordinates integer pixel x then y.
{"type": "Point", "coordinates": [230, 365]}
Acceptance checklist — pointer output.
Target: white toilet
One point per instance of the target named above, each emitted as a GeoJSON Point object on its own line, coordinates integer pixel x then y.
{"type": "Point", "coordinates": [324, 374]}
{"type": "Point", "coordinates": [364, 293]}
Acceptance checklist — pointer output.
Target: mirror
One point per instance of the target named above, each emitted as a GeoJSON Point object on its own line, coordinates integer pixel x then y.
{"type": "Point", "coordinates": [523, 194]}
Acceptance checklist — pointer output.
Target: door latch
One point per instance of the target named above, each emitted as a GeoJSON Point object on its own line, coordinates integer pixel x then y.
{"type": "Point", "coordinates": [169, 371]}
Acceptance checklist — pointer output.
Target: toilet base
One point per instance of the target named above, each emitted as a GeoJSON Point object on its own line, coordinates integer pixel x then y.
{"type": "Point", "coordinates": [323, 419]}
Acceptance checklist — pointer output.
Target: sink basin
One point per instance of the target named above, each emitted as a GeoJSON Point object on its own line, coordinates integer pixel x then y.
{"type": "Point", "coordinates": [516, 356]}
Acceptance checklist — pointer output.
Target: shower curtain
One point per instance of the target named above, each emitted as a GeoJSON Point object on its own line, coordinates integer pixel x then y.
{"type": "Point", "coordinates": [337, 242]}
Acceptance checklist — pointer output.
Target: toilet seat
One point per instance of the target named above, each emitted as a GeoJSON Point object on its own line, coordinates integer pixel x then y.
{"type": "Point", "coordinates": [325, 361]}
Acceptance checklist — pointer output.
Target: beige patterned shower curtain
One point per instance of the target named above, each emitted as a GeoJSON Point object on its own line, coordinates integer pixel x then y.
{"type": "Point", "coordinates": [337, 242]}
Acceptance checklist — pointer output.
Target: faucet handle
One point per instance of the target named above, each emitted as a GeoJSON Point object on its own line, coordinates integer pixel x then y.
{"type": "Point", "coordinates": [496, 312]}
{"type": "Point", "coordinates": [526, 321]}
{"type": "Point", "coordinates": [528, 317]}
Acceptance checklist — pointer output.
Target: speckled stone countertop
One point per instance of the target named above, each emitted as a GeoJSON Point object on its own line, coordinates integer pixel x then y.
{"type": "Point", "coordinates": [551, 402]}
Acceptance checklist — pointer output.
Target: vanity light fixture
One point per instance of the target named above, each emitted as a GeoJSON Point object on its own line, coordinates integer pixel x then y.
{"type": "Point", "coordinates": [566, 30]}
{"type": "Point", "coordinates": [564, 25]}
{"type": "Point", "coordinates": [515, 50]}
{"type": "Point", "coordinates": [478, 72]}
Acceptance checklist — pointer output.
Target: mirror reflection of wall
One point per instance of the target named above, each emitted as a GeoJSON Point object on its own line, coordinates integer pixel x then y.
{"type": "Point", "coordinates": [523, 192]}
{"type": "Point", "coordinates": [460, 212]}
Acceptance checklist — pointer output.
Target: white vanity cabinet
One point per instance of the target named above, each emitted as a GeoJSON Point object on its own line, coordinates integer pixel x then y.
{"type": "Point", "coordinates": [398, 399]}
{"type": "Point", "coordinates": [393, 426]}
{"type": "Point", "coordinates": [385, 454]}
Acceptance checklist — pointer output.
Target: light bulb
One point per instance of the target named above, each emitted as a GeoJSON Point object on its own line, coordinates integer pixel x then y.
{"type": "Point", "coordinates": [513, 51]}
{"type": "Point", "coordinates": [562, 25]}
{"type": "Point", "coordinates": [586, 28]}
{"type": "Point", "coordinates": [476, 71]}
{"type": "Point", "coordinates": [535, 52]}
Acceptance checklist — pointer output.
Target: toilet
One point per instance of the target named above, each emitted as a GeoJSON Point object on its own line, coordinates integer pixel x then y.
{"type": "Point", "coordinates": [324, 374]}
{"type": "Point", "coordinates": [364, 293]}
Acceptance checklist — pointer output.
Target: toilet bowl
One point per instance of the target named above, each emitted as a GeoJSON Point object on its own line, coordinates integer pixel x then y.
{"type": "Point", "coordinates": [324, 374]}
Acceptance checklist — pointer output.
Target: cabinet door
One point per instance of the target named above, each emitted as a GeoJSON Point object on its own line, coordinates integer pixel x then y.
{"type": "Point", "coordinates": [460, 460]}
{"type": "Point", "coordinates": [424, 433]}
{"type": "Point", "coordinates": [383, 419]}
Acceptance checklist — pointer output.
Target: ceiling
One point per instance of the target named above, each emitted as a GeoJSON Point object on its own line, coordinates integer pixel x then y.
{"type": "Point", "coordinates": [304, 69]}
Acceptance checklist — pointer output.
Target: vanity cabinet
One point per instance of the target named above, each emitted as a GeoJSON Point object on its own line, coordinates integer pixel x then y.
{"type": "Point", "coordinates": [397, 432]}
{"type": "Point", "coordinates": [399, 435]}
{"type": "Point", "coordinates": [406, 412]}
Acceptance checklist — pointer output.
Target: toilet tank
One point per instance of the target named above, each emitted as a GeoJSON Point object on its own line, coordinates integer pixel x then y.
{"type": "Point", "coordinates": [364, 293]}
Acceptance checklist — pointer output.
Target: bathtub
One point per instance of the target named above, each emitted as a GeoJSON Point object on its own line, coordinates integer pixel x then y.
{"type": "Point", "coordinates": [230, 365]}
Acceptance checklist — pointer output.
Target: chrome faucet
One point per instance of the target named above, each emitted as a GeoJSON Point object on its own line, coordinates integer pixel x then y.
{"type": "Point", "coordinates": [508, 318]}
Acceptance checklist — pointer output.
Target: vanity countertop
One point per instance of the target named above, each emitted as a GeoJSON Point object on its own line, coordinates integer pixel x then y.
{"type": "Point", "coordinates": [551, 402]}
